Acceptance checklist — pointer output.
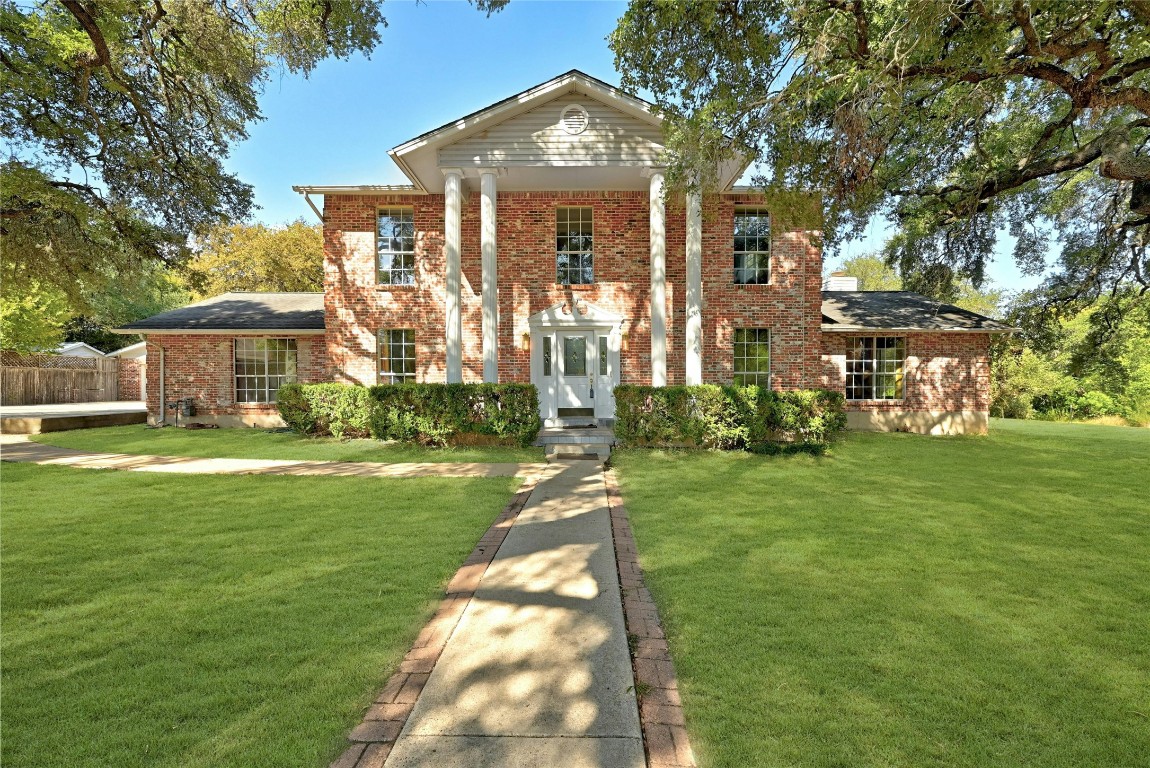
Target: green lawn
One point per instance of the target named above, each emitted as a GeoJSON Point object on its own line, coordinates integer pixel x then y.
{"type": "Point", "coordinates": [200, 620]}
{"type": "Point", "coordinates": [265, 444]}
{"type": "Point", "coordinates": [908, 600]}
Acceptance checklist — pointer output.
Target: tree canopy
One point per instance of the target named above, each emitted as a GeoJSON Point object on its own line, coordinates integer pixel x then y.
{"type": "Point", "coordinates": [955, 119]}
{"type": "Point", "coordinates": [118, 116]}
{"type": "Point", "coordinates": [254, 257]}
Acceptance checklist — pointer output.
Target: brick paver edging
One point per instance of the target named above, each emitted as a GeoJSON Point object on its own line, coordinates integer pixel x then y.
{"type": "Point", "coordinates": [660, 708]}
{"type": "Point", "coordinates": [372, 740]}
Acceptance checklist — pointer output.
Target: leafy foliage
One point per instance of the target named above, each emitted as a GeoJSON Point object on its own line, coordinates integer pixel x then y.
{"type": "Point", "coordinates": [254, 257]}
{"type": "Point", "coordinates": [955, 120]}
{"type": "Point", "coordinates": [339, 410]}
{"type": "Point", "coordinates": [1080, 370]}
{"type": "Point", "coordinates": [32, 320]}
{"type": "Point", "coordinates": [726, 417]}
{"type": "Point", "coordinates": [444, 414]}
{"type": "Point", "coordinates": [119, 116]}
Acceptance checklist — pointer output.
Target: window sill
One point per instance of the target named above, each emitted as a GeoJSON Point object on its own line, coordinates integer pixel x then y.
{"type": "Point", "coordinates": [389, 288]}
{"type": "Point", "coordinates": [901, 400]}
{"type": "Point", "coordinates": [574, 286]}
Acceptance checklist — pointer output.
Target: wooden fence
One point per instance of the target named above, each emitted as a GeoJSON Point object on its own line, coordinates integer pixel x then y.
{"type": "Point", "coordinates": [45, 379]}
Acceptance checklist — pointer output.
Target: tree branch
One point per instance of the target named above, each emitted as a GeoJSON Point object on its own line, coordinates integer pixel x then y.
{"type": "Point", "coordinates": [101, 56]}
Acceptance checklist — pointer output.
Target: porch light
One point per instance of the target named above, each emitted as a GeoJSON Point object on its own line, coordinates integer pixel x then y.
{"type": "Point", "coordinates": [527, 341]}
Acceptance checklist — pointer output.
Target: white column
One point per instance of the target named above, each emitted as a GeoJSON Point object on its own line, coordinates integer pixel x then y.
{"type": "Point", "coordinates": [694, 324]}
{"type": "Point", "coordinates": [490, 275]}
{"type": "Point", "coordinates": [452, 212]}
{"type": "Point", "coordinates": [658, 280]}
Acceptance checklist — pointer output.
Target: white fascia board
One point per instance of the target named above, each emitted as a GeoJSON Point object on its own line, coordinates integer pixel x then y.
{"type": "Point", "coordinates": [359, 189]}
{"type": "Point", "coordinates": [218, 331]}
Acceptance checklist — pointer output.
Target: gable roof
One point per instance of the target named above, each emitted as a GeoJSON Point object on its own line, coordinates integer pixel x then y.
{"type": "Point", "coordinates": [419, 159]}
{"type": "Point", "coordinates": [239, 312]}
{"type": "Point", "coordinates": [900, 311]}
{"type": "Point", "coordinates": [79, 349]}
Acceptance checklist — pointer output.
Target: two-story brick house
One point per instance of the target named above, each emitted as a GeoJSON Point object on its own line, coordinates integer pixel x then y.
{"type": "Point", "coordinates": [537, 243]}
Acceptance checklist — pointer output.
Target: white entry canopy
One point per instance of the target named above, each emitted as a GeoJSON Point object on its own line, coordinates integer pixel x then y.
{"type": "Point", "coordinates": [583, 314]}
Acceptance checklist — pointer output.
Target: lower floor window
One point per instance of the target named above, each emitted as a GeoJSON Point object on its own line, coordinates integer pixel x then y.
{"type": "Point", "coordinates": [396, 356]}
{"type": "Point", "coordinates": [752, 357]}
{"type": "Point", "coordinates": [875, 368]}
{"type": "Point", "coordinates": [262, 367]}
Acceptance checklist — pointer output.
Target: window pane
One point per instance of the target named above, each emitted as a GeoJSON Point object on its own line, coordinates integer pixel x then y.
{"type": "Point", "coordinates": [574, 246]}
{"type": "Point", "coordinates": [751, 246]}
{"type": "Point", "coordinates": [546, 355]}
{"type": "Point", "coordinates": [574, 356]}
{"type": "Point", "coordinates": [602, 355]}
{"type": "Point", "coordinates": [752, 357]}
{"type": "Point", "coordinates": [874, 368]}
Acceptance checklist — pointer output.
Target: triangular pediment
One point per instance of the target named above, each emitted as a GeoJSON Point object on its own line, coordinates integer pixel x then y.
{"type": "Point", "coordinates": [579, 313]}
{"type": "Point", "coordinates": [572, 129]}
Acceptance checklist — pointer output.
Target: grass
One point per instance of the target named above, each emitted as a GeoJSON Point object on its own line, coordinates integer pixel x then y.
{"type": "Point", "coordinates": [269, 444]}
{"type": "Point", "coordinates": [907, 600]}
{"type": "Point", "coordinates": [165, 620]}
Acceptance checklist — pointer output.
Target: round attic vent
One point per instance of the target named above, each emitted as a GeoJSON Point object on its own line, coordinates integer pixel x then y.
{"type": "Point", "coordinates": [574, 119]}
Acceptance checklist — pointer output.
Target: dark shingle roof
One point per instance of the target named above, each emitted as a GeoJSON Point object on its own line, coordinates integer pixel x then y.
{"type": "Point", "coordinates": [240, 311]}
{"type": "Point", "coordinates": [900, 311]}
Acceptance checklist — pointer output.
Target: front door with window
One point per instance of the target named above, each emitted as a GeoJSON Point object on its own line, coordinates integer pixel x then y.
{"type": "Point", "coordinates": [575, 381]}
{"type": "Point", "coordinates": [575, 361]}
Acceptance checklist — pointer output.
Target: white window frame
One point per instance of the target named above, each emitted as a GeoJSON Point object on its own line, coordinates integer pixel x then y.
{"type": "Point", "coordinates": [586, 215]}
{"type": "Point", "coordinates": [872, 373]}
{"type": "Point", "coordinates": [406, 343]}
{"type": "Point", "coordinates": [760, 378]}
{"type": "Point", "coordinates": [385, 251]}
{"type": "Point", "coordinates": [761, 252]}
{"type": "Point", "coordinates": [268, 391]}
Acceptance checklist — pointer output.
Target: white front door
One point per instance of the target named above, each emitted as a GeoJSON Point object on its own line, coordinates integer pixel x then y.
{"type": "Point", "coordinates": [575, 381]}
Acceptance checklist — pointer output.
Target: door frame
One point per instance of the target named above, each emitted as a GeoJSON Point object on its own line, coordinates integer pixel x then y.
{"type": "Point", "coordinates": [587, 319]}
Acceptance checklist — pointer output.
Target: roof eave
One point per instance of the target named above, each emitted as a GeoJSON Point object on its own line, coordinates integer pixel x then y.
{"type": "Point", "coordinates": [524, 101]}
{"type": "Point", "coordinates": [359, 189]}
{"type": "Point", "coordinates": [840, 328]}
{"type": "Point", "coordinates": [220, 331]}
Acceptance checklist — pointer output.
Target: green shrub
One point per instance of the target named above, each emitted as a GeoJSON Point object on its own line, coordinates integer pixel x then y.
{"type": "Point", "coordinates": [1094, 403]}
{"type": "Point", "coordinates": [441, 414]}
{"type": "Point", "coordinates": [725, 417]}
{"type": "Point", "coordinates": [339, 410]}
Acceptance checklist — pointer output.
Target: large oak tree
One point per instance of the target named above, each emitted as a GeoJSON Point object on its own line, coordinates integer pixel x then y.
{"type": "Point", "coordinates": [957, 119]}
{"type": "Point", "coordinates": [118, 116]}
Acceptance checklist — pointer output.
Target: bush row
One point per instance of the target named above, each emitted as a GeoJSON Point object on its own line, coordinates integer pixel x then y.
{"type": "Point", "coordinates": [442, 414]}
{"type": "Point", "coordinates": [431, 414]}
{"type": "Point", "coordinates": [726, 417]}
{"type": "Point", "coordinates": [338, 410]}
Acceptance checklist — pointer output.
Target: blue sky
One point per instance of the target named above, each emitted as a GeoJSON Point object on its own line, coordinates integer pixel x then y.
{"type": "Point", "coordinates": [437, 61]}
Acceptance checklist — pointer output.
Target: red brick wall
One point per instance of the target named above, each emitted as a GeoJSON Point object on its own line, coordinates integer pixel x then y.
{"type": "Point", "coordinates": [130, 373]}
{"type": "Point", "coordinates": [790, 305]}
{"type": "Point", "coordinates": [202, 366]}
{"type": "Point", "coordinates": [944, 371]}
{"type": "Point", "coordinates": [356, 307]}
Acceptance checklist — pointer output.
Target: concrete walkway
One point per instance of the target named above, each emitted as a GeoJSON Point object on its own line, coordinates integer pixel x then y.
{"type": "Point", "coordinates": [537, 673]}
{"type": "Point", "coordinates": [20, 448]}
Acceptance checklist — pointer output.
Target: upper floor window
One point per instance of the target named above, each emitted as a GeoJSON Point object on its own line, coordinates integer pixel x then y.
{"type": "Point", "coordinates": [574, 259]}
{"type": "Point", "coordinates": [395, 245]}
{"type": "Point", "coordinates": [262, 366]}
{"type": "Point", "coordinates": [875, 368]}
{"type": "Point", "coordinates": [752, 357]}
{"type": "Point", "coordinates": [752, 247]}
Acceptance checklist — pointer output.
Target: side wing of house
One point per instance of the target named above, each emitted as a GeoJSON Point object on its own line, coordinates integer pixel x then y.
{"type": "Point", "coordinates": [229, 354]}
{"type": "Point", "coordinates": [908, 363]}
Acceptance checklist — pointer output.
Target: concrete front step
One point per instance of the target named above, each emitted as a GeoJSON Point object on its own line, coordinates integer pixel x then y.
{"type": "Point", "coordinates": [585, 443]}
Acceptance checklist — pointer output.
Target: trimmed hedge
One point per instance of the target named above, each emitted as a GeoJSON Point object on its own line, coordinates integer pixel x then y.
{"type": "Point", "coordinates": [727, 418]}
{"type": "Point", "coordinates": [443, 414]}
{"type": "Point", "coordinates": [339, 410]}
